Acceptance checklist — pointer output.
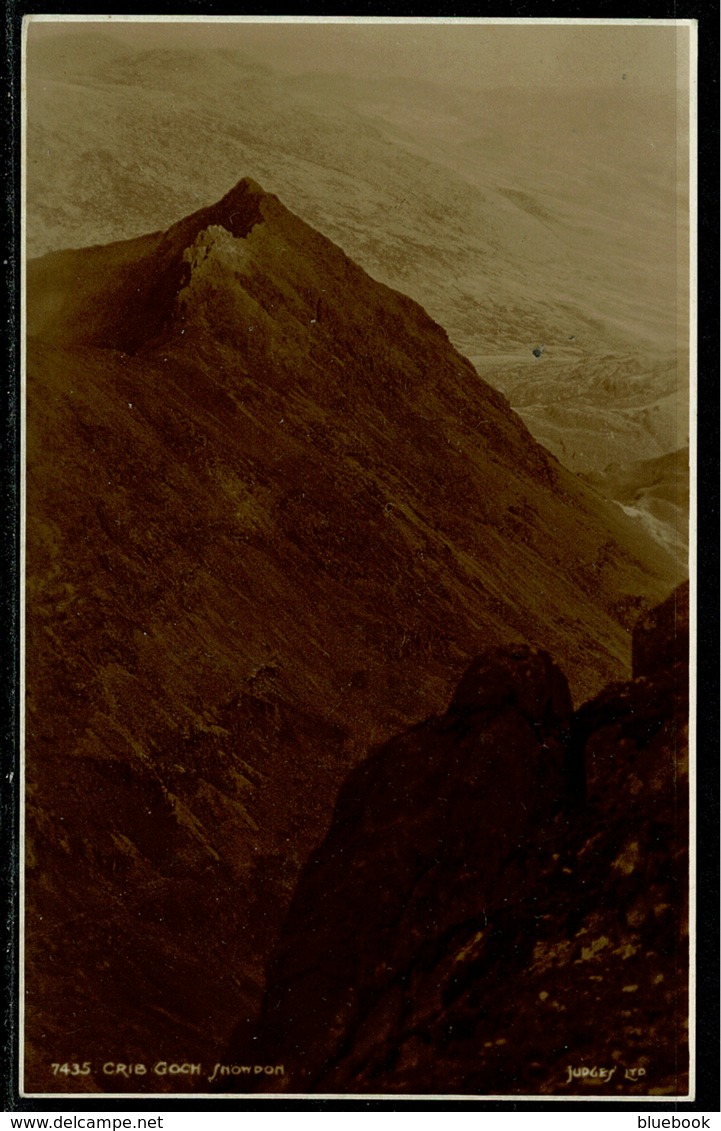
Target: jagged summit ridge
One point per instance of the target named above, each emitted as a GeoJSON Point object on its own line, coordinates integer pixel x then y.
{"type": "Point", "coordinates": [132, 285]}
{"type": "Point", "coordinates": [124, 296]}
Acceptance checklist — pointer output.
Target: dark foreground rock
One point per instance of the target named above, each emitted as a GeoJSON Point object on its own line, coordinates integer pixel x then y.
{"type": "Point", "coordinates": [500, 904]}
{"type": "Point", "coordinates": [660, 638]}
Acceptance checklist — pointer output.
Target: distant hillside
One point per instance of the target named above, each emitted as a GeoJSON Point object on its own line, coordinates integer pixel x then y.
{"type": "Point", "coordinates": [656, 493]}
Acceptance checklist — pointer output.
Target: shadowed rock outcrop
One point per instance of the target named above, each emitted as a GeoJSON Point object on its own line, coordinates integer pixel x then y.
{"type": "Point", "coordinates": [661, 637]}
{"type": "Point", "coordinates": [472, 926]}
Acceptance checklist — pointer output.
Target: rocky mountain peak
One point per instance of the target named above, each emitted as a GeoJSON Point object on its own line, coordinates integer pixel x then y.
{"type": "Point", "coordinates": [122, 296]}
{"type": "Point", "coordinates": [239, 210]}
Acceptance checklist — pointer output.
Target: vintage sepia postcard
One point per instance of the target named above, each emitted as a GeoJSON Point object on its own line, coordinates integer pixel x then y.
{"type": "Point", "coordinates": [358, 566]}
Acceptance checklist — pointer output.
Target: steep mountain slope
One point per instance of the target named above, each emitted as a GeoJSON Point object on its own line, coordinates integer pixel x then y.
{"type": "Point", "coordinates": [517, 217]}
{"type": "Point", "coordinates": [500, 905]}
{"type": "Point", "coordinates": [272, 513]}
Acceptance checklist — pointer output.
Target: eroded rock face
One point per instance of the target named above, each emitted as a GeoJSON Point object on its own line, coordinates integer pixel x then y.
{"type": "Point", "coordinates": [473, 925]}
